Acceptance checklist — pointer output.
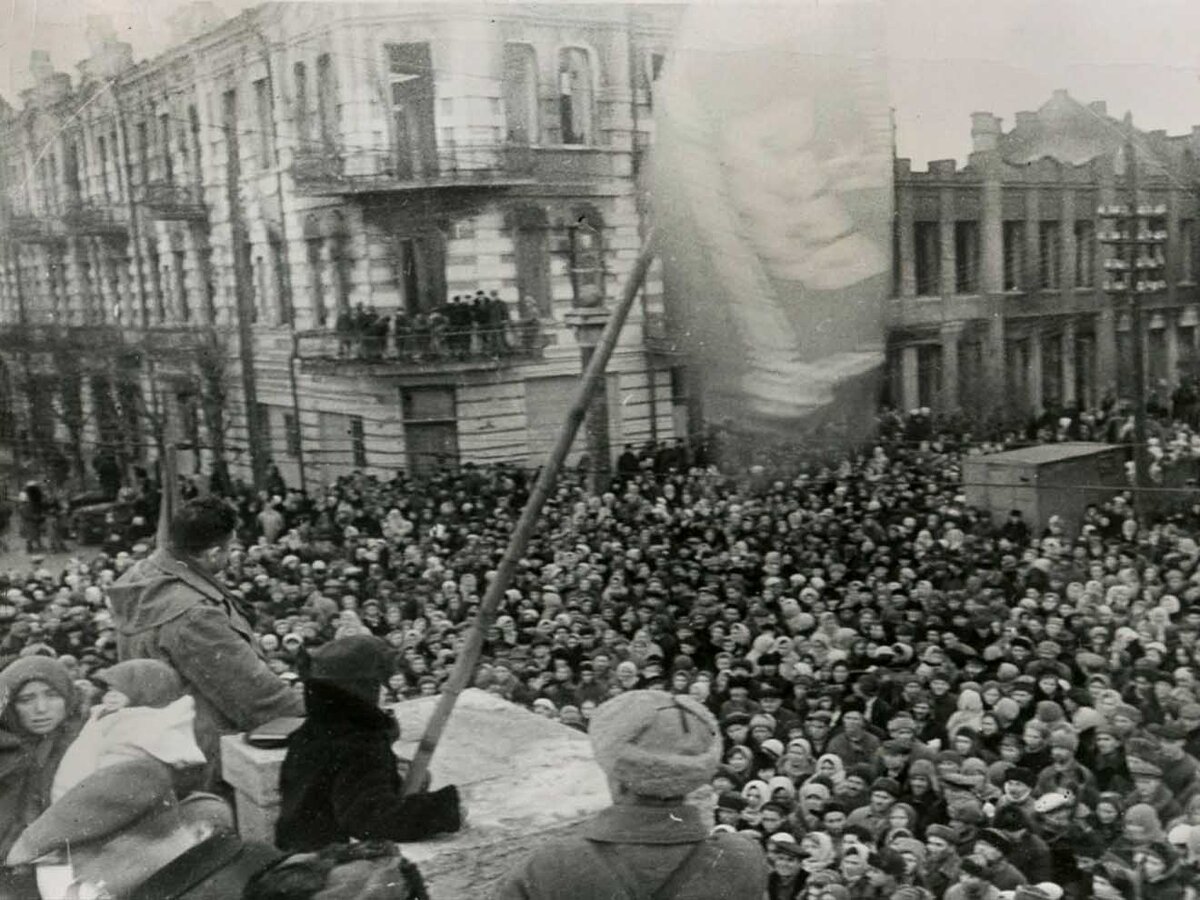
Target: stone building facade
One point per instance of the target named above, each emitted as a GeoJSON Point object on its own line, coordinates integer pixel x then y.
{"type": "Point", "coordinates": [181, 237]}
{"type": "Point", "coordinates": [999, 305]}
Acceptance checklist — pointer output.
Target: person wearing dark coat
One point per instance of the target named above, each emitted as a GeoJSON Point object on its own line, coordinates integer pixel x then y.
{"type": "Point", "coordinates": [339, 780]}
{"type": "Point", "coordinates": [628, 464]}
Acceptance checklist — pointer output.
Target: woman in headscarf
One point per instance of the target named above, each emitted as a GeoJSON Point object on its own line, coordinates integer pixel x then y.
{"type": "Point", "coordinates": [820, 854]}
{"type": "Point", "coordinates": [781, 789]}
{"type": "Point", "coordinates": [990, 732]}
{"type": "Point", "coordinates": [968, 715]}
{"type": "Point", "coordinates": [39, 720]}
{"type": "Point", "coordinates": [797, 762]}
{"type": "Point", "coordinates": [900, 818]}
{"type": "Point", "coordinates": [830, 766]}
{"type": "Point", "coordinates": [755, 793]}
{"type": "Point", "coordinates": [740, 760]}
{"type": "Point", "coordinates": [1108, 818]}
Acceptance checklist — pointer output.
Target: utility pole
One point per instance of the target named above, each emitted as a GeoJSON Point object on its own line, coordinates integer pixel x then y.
{"type": "Point", "coordinates": [1135, 269]}
{"type": "Point", "coordinates": [287, 302]}
{"type": "Point", "coordinates": [243, 276]}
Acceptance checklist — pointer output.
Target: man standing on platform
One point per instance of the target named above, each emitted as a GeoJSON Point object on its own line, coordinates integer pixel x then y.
{"type": "Point", "coordinates": [171, 606]}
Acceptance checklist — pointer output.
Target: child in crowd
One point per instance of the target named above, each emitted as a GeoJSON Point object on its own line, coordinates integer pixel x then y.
{"type": "Point", "coordinates": [143, 712]}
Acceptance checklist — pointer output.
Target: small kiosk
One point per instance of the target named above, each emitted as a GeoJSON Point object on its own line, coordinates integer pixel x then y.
{"type": "Point", "coordinates": [1045, 480]}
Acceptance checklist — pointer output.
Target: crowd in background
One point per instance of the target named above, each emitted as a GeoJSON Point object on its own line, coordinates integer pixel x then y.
{"type": "Point", "coordinates": [916, 701]}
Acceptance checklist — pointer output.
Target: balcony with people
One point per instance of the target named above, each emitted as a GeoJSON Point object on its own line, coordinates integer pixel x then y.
{"type": "Point", "coordinates": [463, 334]}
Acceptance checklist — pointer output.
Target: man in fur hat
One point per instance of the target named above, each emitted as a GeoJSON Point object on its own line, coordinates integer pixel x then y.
{"type": "Point", "coordinates": [655, 748]}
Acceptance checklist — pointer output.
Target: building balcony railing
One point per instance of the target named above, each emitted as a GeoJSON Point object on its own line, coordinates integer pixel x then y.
{"type": "Point", "coordinates": [332, 171]}
{"type": "Point", "coordinates": [170, 341]}
{"type": "Point", "coordinates": [658, 336]}
{"type": "Point", "coordinates": [420, 351]}
{"type": "Point", "coordinates": [50, 337]}
{"type": "Point", "coordinates": [35, 228]}
{"type": "Point", "coordinates": [572, 164]}
{"type": "Point", "coordinates": [84, 218]}
{"type": "Point", "coordinates": [175, 202]}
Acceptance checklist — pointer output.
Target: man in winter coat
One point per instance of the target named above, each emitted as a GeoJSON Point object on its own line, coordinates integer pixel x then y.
{"type": "Point", "coordinates": [339, 780]}
{"type": "Point", "coordinates": [171, 607]}
{"type": "Point", "coordinates": [1027, 851]}
{"type": "Point", "coordinates": [994, 849]}
{"type": "Point", "coordinates": [942, 865]}
{"type": "Point", "coordinates": [655, 749]}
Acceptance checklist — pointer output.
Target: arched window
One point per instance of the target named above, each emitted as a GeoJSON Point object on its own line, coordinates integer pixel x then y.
{"type": "Point", "coordinates": [529, 228]}
{"type": "Point", "coordinates": [521, 94]}
{"type": "Point", "coordinates": [575, 96]}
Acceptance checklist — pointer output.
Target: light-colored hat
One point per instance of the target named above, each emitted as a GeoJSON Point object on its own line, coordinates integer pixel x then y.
{"type": "Point", "coordinates": [656, 744]}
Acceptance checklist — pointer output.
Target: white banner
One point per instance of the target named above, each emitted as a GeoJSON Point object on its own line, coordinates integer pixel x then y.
{"type": "Point", "coordinates": [772, 186]}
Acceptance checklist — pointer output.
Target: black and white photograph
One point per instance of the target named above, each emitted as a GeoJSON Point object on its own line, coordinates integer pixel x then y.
{"type": "Point", "coordinates": [554, 450]}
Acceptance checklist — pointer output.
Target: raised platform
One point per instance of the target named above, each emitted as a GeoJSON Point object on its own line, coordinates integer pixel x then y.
{"type": "Point", "coordinates": [524, 779]}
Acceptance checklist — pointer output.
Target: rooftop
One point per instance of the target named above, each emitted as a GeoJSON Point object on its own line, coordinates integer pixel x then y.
{"type": "Point", "coordinates": [1046, 453]}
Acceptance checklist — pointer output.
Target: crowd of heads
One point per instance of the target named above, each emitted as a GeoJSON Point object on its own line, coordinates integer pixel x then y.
{"type": "Point", "coordinates": [909, 692]}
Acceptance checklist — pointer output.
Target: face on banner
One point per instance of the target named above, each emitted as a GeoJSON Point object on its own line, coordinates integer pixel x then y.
{"type": "Point", "coordinates": [772, 185]}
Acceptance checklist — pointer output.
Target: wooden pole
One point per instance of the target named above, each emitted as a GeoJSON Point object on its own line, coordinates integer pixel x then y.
{"type": "Point", "coordinates": [168, 494]}
{"type": "Point", "coordinates": [472, 647]}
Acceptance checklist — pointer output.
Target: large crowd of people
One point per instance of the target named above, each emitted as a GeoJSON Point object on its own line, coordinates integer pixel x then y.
{"type": "Point", "coordinates": [915, 701]}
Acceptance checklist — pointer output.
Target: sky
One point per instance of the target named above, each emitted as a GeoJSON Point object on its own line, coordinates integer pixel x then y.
{"type": "Point", "coordinates": [947, 58]}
